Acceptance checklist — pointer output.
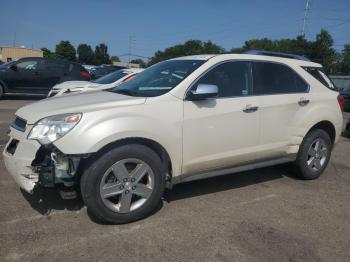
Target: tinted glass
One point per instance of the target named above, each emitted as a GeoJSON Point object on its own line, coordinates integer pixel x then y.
{"type": "Point", "coordinates": [111, 77]}
{"type": "Point", "coordinates": [159, 79]}
{"type": "Point", "coordinates": [231, 78]}
{"type": "Point", "coordinates": [28, 65]}
{"type": "Point", "coordinates": [55, 65]}
{"type": "Point", "coordinates": [319, 74]}
{"type": "Point", "coordinates": [272, 78]}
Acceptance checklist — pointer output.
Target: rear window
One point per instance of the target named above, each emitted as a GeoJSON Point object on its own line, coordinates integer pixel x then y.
{"type": "Point", "coordinates": [320, 75]}
{"type": "Point", "coordinates": [111, 77]}
{"type": "Point", "coordinates": [272, 78]}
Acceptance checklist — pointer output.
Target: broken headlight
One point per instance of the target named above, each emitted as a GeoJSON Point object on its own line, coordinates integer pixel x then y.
{"type": "Point", "coordinates": [49, 129]}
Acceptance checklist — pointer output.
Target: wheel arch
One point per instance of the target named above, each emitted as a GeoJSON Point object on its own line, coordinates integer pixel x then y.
{"type": "Point", "coordinates": [152, 144]}
{"type": "Point", "coordinates": [326, 126]}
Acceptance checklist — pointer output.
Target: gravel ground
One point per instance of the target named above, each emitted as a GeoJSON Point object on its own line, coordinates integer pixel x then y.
{"type": "Point", "coordinates": [261, 215]}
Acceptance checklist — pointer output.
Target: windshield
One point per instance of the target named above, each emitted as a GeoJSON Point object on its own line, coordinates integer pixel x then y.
{"type": "Point", "coordinates": [7, 63]}
{"type": "Point", "coordinates": [346, 89]}
{"type": "Point", "coordinates": [158, 79]}
{"type": "Point", "coordinates": [111, 77]}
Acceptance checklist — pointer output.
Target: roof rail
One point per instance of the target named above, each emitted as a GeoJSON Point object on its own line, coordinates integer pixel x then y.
{"type": "Point", "coordinates": [278, 54]}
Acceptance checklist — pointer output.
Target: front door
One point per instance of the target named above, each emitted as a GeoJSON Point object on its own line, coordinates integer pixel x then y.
{"type": "Point", "coordinates": [222, 132]}
{"type": "Point", "coordinates": [25, 77]}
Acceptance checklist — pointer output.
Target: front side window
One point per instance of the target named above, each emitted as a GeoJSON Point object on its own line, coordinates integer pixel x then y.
{"type": "Point", "coordinates": [111, 77]}
{"type": "Point", "coordinates": [273, 78]}
{"type": "Point", "coordinates": [158, 79]}
{"type": "Point", "coordinates": [28, 65]}
{"type": "Point", "coordinates": [231, 78]}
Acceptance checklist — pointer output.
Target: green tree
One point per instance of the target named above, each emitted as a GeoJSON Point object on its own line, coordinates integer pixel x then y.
{"type": "Point", "coordinates": [115, 59]}
{"type": "Point", "coordinates": [101, 54]}
{"type": "Point", "coordinates": [85, 54]}
{"type": "Point", "coordinates": [191, 47]}
{"type": "Point", "coordinates": [139, 62]}
{"type": "Point", "coordinates": [322, 51]}
{"type": "Point", "coordinates": [260, 44]}
{"type": "Point", "coordinates": [47, 53]}
{"type": "Point", "coordinates": [65, 50]}
{"type": "Point", "coordinates": [345, 68]}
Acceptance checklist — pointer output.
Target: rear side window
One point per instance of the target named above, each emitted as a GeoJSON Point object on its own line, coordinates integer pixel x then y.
{"type": "Point", "coordinates": [272, 78]}
{"type": "Point", "coordinates": [232, 78]}
{"type": "Point", "coordinates": [320, 75]}
{"type": "Point", "coordinates": [55, 65]}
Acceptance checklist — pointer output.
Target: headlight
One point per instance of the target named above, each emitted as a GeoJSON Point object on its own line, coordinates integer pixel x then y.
{"type": "Point", "coordinates": [51, 128]}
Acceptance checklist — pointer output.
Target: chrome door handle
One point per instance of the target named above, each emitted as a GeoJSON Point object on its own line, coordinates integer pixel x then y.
{"type": "Point", "coordinates": [250, 109]}
{"type": "Point", "coordinates": [303, 102]}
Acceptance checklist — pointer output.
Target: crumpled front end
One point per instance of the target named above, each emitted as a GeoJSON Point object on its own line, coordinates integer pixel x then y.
{"type": "Point", "coordinates": [32, 164]}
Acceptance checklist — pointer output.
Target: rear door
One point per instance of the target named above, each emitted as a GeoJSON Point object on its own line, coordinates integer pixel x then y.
{"type": "Point", "coordinates": [283, 94]}
{"type": "Point", "coordinates": [26, 78]}
{"type": "Point", "coordinates": [54, 71]}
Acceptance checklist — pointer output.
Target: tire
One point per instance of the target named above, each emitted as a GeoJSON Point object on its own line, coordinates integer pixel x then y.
{"type": "Point", "coordinates": [312, 160]}
{"type": "Point", "coordinates": [109, 198]}
{"type": "Point", "coordinates": [1, 91]}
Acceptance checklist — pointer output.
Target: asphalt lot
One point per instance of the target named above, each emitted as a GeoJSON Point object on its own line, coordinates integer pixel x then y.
{"type": "Point", "coordinates": [261, 215]}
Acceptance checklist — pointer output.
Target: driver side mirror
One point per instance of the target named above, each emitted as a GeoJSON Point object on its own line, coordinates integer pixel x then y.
{"type": "Point", "coordinates": [203, 91]}
{"type": "Point", "coordinates": [14, 67]}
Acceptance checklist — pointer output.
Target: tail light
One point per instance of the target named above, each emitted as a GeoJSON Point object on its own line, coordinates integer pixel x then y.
{"type": "Point", "coordinates": [85, 74]}
{"type": "Point", "coordinates": [341, 102]}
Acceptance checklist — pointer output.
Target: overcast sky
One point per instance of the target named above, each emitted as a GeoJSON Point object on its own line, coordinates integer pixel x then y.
{"type": "Point", "coordinates": [154, 25]}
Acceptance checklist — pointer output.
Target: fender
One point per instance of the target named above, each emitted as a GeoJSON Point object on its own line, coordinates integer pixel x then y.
{"type": "Point", "coordinates": [94, 132]}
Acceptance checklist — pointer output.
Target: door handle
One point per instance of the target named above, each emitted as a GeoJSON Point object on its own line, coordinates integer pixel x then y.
{"type": "Point", "coordinates": [250, 109]}
{"type": "Point", "coordinates": [303, 101]}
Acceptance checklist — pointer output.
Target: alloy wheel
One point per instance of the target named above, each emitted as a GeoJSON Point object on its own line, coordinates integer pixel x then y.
{"type": "Point", "coordinates": [317, 155]}
{"type": "Point", "coordinates": [127, 185]}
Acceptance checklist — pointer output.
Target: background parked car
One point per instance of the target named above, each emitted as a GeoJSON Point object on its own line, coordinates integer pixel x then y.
{"type": "Point", "coordinates": [36, 76]}
{"type": "Point", "coordinates": [346, 94]}
{"type": "Point", "coordinates": [103, 70]}
{"type": "Point", "coordinates": [104, 82]}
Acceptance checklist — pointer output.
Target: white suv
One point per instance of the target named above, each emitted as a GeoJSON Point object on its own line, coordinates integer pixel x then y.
{"type": "Point", "coordinates": [179, 120]}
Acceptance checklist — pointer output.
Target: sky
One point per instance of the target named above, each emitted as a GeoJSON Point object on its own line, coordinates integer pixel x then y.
{"type": "Point", "coordinates": [148, 26]}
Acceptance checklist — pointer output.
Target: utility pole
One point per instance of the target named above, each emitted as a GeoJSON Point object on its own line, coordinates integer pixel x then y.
{"type": "Point", "coordinates": [131, 43]}
{"type": "Point", "coordinates": [306, 13]}
{"type": "Point", "coordinates": [14, 39]}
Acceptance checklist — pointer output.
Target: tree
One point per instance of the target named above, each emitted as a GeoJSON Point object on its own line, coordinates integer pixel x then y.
{"type": "Point", "coordinates": [191, 47]}
{"type": "Point", "coordinates": [139, 62]}
{"type": "Point", "coordinates": [47, 53]}
{"type": "Point", "coordinates": [85, 54]}
{"type": "Point", "coordinates": [101, 54]}
{"type": "Point", "coordinates": [115, 59]}
{"type": "Point", "coordinates": [346, 60]}
{"type": "Point", "coordinates": [65, 50]}
{"type": "Point", "coordinates": [322, 51]}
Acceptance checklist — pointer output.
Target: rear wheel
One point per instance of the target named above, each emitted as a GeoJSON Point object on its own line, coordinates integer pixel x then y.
{"type": "Point", "coordinates": [124, 184]}
{"type": "Point", "coordinates": [314, 154]}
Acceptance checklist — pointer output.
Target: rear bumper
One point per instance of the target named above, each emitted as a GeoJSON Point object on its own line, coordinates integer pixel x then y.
{"type": "Point", "coordinates": [18, 163]}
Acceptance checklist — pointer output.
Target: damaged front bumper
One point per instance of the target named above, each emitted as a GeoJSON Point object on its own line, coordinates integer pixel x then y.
{"type": "Point", "coordinates": [32, 164]}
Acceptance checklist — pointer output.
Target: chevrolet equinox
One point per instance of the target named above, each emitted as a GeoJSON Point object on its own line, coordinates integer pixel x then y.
{"type": "Point", "coordinates": [179, 120]}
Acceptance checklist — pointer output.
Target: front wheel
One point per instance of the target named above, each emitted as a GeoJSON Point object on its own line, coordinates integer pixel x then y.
{"type": "Point", "coordinates": [314, 154]}
{"type": "Point", "coordinates": [124, 184]}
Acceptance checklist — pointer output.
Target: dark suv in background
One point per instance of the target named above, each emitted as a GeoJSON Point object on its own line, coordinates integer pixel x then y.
{"type": "Point", "coordinates": [36, 76]}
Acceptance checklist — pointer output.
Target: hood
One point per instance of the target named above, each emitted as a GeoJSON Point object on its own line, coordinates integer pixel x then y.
{"type": "Point", "coordinates": [76, 103]}
{"type": "Point", "coordinates": [74, 84]}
